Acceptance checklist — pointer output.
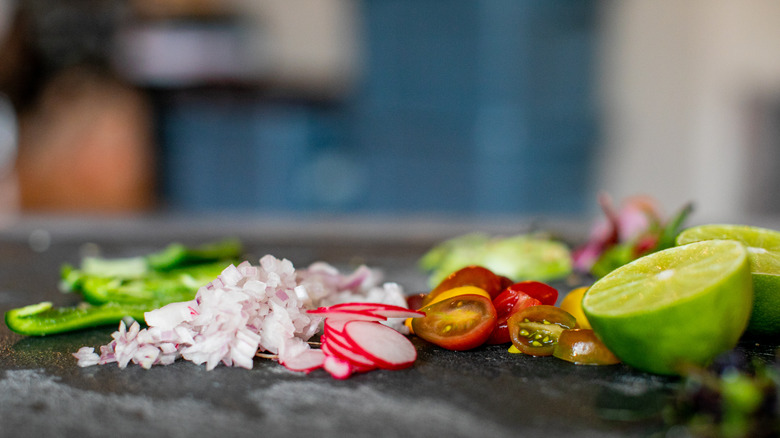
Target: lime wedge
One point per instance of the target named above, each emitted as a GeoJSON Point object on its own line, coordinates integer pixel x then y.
{"type": "Point", "coordinates": [677, 307]}
{"type": "Point", "coordinates": [764, 255]}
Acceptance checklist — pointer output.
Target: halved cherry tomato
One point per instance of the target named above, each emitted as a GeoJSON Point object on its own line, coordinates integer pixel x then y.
{"type": "Point", "coordinates": [459, 323]}
{"type": "Point", "coordinates": [535, 330]}
{"type": "Point", "coordinates": [515, 297]}
{"type": "Point", "coordinates": [543, 292]}
{"type": "Point", "coordinates": [583, 347]}
{"type": "Point", "coordinates": [460, 290]}
{"type": "Point", "coordinates": [478, 276]}
{"type": "Point", "coordinates": [572, 303]}
{"type": "Point", "coordinates": [506, 306]}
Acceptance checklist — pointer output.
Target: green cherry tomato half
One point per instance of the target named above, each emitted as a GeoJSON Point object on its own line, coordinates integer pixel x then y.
{"type": "Point", "coordinates": [535, 330]}
{"type": "Point", "coordinates": [583, 347]}
{"type": "Point", "coordinates": [478, 276]}
{"type": "Point", "coordinates": [459, 323]}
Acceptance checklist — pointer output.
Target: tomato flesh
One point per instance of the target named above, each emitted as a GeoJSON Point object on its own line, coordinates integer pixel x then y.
{"type": "Point", "coordinates": [478, 276]}
{"type": "Point", "coordinates": [535, 330]}
{"type": "Point", "coordinates": [459, 323]}
{"type": "Point", "coordinates": [543, 292]}
{"type": "Point", "coordinates": [583, 347]}
{"type": "Point", "coordinates": [515, 297]}
{"type": "Point", "coordinates": [506, 305]}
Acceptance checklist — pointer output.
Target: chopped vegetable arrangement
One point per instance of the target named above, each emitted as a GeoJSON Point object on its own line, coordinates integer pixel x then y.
{"type": "Point", "coordinates": [250, 309]}
{"type": "Point", "coordinates": [461, 314]}
{"type": "Point", "coordinates": [660, 301]}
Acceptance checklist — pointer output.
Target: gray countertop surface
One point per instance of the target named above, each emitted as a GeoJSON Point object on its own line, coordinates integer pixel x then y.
{"type": "Point", "coordinates": [484, 392]}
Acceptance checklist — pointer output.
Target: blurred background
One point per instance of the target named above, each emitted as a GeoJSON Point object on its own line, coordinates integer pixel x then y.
{"type": "Point", "coordinates": [380, 107]}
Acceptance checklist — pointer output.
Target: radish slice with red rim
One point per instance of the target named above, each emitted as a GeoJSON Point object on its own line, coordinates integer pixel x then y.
{"type": "Point", "coordinates": [308, 360]}
{"type": "Point", "coordinates": [344, 349]}
{"type": "Point", "coordinates": [332, 333]}
{"type": "Point", "coordinates": [334, 325]}
{"type": "Point", "coordinates": [386, 310]}
{"type": "Point", "coordinates": [334, 347]}
{"type": "Point", "coordinates": [354, 315]}
{"type": "Point", "coordinates": [337, 368]}
{"type": "Point", "coordinates": [385, 346]}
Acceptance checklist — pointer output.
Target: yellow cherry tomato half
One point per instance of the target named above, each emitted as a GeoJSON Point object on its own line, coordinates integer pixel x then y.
{"type": "Point", "coordinates": [572, 303]}
{"type": "Point", "coordinates": [461, 290]}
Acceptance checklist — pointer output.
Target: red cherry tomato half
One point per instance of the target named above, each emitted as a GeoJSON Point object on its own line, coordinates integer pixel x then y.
{"type": "Point", "coordinates": [506, 300]}
{"type": "Point", "coordinates": [535, 330]}
{"type": "Point", "coordinates": [543, 292]}
{"type": "Point", "coordinates": [478, 276]}
{"type": "Point", "coordinates": [583, 347]}
{"type": "Point", "coordinates": [459, 323]}
{"type": "Point", "coordinates": [506, 305]}
{"type": "Point", "coordinates": [515, 297]}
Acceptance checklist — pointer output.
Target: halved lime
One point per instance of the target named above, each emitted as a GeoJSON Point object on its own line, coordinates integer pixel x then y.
{"type": "Point", "coordinates": [764, 254]}
{"type": "Point", "coordinates": [680, 306]}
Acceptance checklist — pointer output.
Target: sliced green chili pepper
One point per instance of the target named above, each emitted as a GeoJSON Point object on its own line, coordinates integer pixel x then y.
{"type": "Point", "coordinates": [161, 287]}
{"type": "Point", "coordinates": [117, 288]}
{"type": "Point", "coordinates": [173, 274]}
{"type": "Point", "coordinates": [44, 319]}
{"type": "Point", "coordinates": [177, 255]}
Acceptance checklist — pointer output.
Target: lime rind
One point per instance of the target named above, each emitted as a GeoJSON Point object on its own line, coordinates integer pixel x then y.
{"type": "Point", "coordinates": [666, 278]}
{"type": "Point", "coordinates": [765, 319]}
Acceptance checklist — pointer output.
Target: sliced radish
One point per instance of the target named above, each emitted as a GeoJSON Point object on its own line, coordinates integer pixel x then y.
{"type": "Point", "coordinates": [354, 315]}
{"type": "Point", "coordinates": [334, 325]}
{"type": "Point", "coordinates": [337, 348]}
{"type": "Point", "coordinates": [386, 310]}
{"type": "Point", "coordinates": [385, 346]}
{"type": "Point", "coordinates": [337, 368]}
{"type": "Point", "coordinates": [355, 340]}
{"type": "Point", "coordinates": [344, 349]}
{"type": "Point", "coordinates": [331, 337]}
{"type": "Point", "coordinates": [307, 361]}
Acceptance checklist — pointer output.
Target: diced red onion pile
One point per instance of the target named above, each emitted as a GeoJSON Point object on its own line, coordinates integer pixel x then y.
{"type": "Point", "coordinates": [246, 310]}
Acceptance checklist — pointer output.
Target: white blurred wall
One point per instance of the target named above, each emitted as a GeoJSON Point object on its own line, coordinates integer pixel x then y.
{"type": "Point", "coordinates": [678, 79]}
{"type": "Point", "coordinates": [305, 44]}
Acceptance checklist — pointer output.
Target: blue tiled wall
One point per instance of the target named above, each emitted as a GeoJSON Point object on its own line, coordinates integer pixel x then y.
{"type": "Point", "coordinates": [478, 106]}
